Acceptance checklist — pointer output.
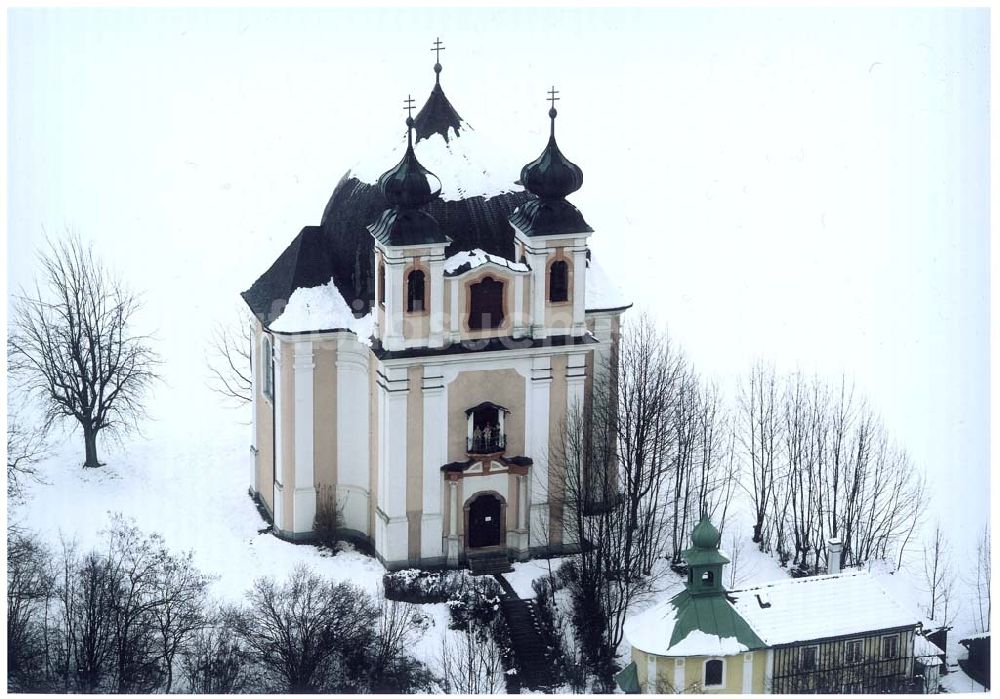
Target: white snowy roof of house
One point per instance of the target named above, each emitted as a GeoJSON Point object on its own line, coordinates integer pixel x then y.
{"type": "Point", "coordinates": [926, 650]}
{"type": "Point", "coordinates": [826, 606]}
{"type": "Point", "coordinates": [651, 631]}
{"type": "Point", "coordinates": [321, 308]}
{"type": "Point", "coordinates": [603, 293]}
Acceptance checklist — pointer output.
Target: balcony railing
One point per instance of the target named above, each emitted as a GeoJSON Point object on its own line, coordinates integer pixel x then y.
{"type": "Point", "coordinates": [486, 444]}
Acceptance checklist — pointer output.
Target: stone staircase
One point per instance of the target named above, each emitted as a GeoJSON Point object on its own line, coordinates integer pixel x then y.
{"type": "Point", "coordinates": [489, 563]}
{"type": "Point", "coordinates": [532, 653]}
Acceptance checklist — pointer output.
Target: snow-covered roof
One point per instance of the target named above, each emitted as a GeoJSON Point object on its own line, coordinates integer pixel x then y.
{"type": "Point", "coordinates": [466, 165]}
{"type": "Point", "coordinates": [976, 636]}
{"type": "Point", "coordinates": [806, 609]}
{"type": "Point", "coordinates": [467, 260]}
{"type": "Point", "coordinates": [603, 293]}
{"type": "Point", "coordinates": [926, 650]}
{"type": "Point", "coordinates": [652, 631]}
{"type": "Point", "coordinates": [321, 308]}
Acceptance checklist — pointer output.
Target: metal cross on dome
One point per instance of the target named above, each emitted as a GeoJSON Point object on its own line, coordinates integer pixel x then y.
{"type": "Point", "coordinates": [409, 106]}
{"type": "Point", "coordinates": [552, 96]}
{"type": "Point", "coordinates": [438, 48]}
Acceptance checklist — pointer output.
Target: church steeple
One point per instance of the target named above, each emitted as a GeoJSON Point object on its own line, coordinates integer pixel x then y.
{"type": "Point", "coordinates": [437, 116]}
{"type": "Point", "coordinates": [407, 187]}
{"type": "Point", "coordinates": [704, 560]}
{"type": "Point", "coordinates": [551, 177]}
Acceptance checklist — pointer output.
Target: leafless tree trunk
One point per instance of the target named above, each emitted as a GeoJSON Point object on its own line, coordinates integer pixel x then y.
{"type": "Point", "coordinates": [229, 365]}
{"type": "Point", "coordinates": [471, 665]}
{"type": "Point", "coordinates": [72, 346]}
{"type": "Point", "coordinates": [759, 435]}
{"type": "Point", "coordinates": [939, 578]}
{"type": "Point", "coordinates": [981, 591]}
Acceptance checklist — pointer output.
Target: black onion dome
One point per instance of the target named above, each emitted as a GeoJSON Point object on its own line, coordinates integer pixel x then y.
{"type": "Point", "coordinates": [552, 175]}
{"type": "Point", "coordinates": [409, 184]}
{"type": "Point", "coordinates": [406, 188]}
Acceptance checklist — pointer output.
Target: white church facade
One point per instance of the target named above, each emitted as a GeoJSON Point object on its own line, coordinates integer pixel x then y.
{"type": "Point", "coordinates": [417, 354]}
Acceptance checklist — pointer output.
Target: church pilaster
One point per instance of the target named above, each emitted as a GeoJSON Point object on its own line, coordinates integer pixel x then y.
{"type": "Point", "coordinates": [304, 493]}
{"type": "Point", "coordinates": [537, 444]}
{"type": "Point", "coordinates": [579, 291]}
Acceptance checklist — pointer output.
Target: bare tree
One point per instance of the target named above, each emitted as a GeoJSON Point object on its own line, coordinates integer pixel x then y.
{"type": "Point", "coordinates": [215, 662]}
{"type": "Point", "coordinates": [760, 434]}
{"type": "Point", "coordinates": [981, 585]}
{"type": "Point", "coordinates": [24, 449]}
{"type": "Point", "coordinates": [939, 577]}
{"type": "Point", "coordinates": [309, 634]}
{"type": "Point", "coordinates": [73, 346]}
{"type": "Point", "coordinates": [30, 583]}
{"type": "Point", "coordinates": [471, 664]}
{"type": "Point", "coordinates": [177, 607]}
{"type": "Point", "coordinates": [229, 364]}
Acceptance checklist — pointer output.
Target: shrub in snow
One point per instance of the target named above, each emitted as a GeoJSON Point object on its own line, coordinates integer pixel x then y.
{"type": "Point", "coordinates": [328, 523]}
{"type": "Point", "coordinates": [423, 586]}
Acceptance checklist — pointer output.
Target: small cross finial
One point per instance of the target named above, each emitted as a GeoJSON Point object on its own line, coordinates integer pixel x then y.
{"type": "Point", "coordinates": [409, 106]}
{"type": "Point", "coordinates": [552, 96]}
{"type": "Point", "coordinates": [438, 48]}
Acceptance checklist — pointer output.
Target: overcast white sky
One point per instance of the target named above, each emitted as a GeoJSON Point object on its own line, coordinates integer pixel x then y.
{"type": "Point", "coordinates": [809, 187]}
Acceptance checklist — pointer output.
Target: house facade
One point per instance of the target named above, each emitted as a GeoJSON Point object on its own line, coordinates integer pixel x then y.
{"type": "Point", "coordinates": [417, 355]}
{"type": "Point", "coordinates": [841, 633]}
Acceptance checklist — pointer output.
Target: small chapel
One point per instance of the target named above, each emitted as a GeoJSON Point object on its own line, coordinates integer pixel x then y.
{"type": "Point", "coordinates": [416, 356]}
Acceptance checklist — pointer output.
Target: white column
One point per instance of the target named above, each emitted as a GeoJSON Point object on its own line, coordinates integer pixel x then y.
{"type": "Point", "coordinates": [435, 439]}
{"type": "Point", "coordinates": [394, 306]}
{"type": "Point", "coordinates": [353, 431]}
{"type": "Point", "coordinates": [679, 678]}
{"type": "Point", "coordinates": [650, 674]}
{"type": "Point", "coordinates": [579, 291]}
{"type": "Point", "coordinates": [304, 495]}
{"type": "Point", "coordinates": [748, 672]}
{"type": "Point", "coordinates": [437, 303]}
{"type": "Point", "coordinates": [539, 269]}
{"type": "Point", "coordinates": [537, 445]}
{"type": "Point", "coordinates": [278, 398]}
{"type": "Point", "coordinates": [394, 486]}
{"type": "Point", "coordinates": [519, 324]}
{"type": "Point", "coordinates": [768, 670]}
{"type": "Point", "coordinates": [456, 325]}
{"type": "Point", "coordinates": [452, 522]}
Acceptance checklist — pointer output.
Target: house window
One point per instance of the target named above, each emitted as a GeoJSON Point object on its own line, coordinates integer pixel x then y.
{"type": "Point", "coordinates": [854, 652]}
{"type": "Point", "coordinates": [415, 292]}
{"type": "Point", "coordinates": [267, 368]}
{"type": "Point", "coordinates": [890, 647]}
{"type": "Point", "coordinates": [486, 304]}
{"type": "Point", "coordinates": [558, 281]}
{"type": "Point", "coordinates": [714, 672]}
{"type": "Point", "coordinates": [381, 284]}
{"type": "Point", "coordinates": [807, 657]}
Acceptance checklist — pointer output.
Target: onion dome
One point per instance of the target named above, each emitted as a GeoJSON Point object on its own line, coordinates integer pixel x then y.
{"type": "Point", "coordinates": [551, 177]}
{"type": "Point", "coordinates": [407, 187]}
{"type": "Point", "coordinates": [705, 535]}
{"type": "Point", "coordinates": [409, 184]}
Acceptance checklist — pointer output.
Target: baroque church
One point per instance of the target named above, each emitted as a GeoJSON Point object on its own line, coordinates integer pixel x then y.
{"type": "Point", "coordinates": [416, 355]}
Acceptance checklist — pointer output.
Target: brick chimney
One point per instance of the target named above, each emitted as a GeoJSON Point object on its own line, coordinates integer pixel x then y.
{"type": "Point", "coordinates": [833, 551]}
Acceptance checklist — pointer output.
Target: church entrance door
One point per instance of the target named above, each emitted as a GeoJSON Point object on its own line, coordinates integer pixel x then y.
{"type": "Point", "coordinates": [484, 521]}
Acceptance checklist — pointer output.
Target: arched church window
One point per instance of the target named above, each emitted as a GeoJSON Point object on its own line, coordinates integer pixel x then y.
{"type": "Point", "coordinates": [415, 292]}
{"type": "Point", "coordinates": [486, 304]}
{"type": "Point", "coordinates": [558, 281]}
{"type": "Point", "coordinates": [381, 284]}
{"type": "Point", "coordinates": [267, 368]}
